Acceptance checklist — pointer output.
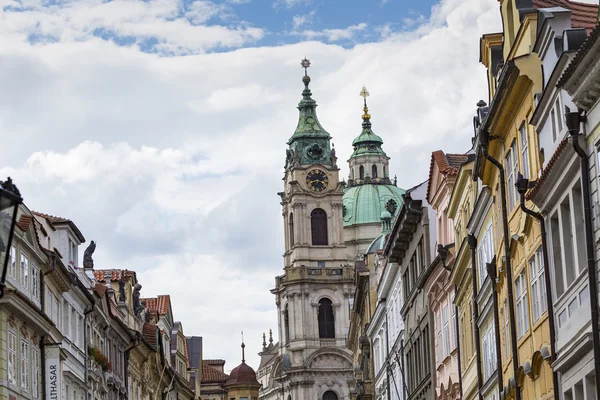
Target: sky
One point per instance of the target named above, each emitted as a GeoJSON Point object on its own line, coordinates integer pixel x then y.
{"type": "Point", "coordinates": [160, 126]}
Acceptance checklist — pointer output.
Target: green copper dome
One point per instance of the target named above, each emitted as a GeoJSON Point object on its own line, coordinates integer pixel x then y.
{"type": "Point", "coordinates": [364, 204]}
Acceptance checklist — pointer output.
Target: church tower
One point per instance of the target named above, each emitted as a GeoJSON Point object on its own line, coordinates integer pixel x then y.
{"type": "Point", "coordinates": [313, 294]}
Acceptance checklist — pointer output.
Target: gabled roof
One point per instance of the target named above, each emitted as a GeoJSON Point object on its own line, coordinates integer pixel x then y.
{"type": "Point", "coordinates": [580, 55]}
{"type": "Point", "coordinates": [583, 15]}
{"type": "Point", "coordinates": [212, 375]}
{"type": "Point", "coordinates": [448, 164]}
{"type": "Point", "coordinates": [217, 361]}
{"type": "Point", "coordinates": [159, 304]}
{"type": "Point", "coordinates": [53, 220]}
{"type": "Point", "coordinates": [150, 334]}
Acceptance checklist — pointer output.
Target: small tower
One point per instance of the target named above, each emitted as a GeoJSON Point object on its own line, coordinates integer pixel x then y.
{"type": "Point", "coordinates": [242, 383]}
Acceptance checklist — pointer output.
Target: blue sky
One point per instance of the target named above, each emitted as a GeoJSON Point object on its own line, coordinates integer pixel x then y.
{"type": "Point", "coordinates": [260, 22]}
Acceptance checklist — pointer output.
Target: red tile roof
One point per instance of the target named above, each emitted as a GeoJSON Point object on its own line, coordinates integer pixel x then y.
{"type": "Point", "coordinates": [583, 15]}
{"type": "Point", "coordinates": [217, 361]}
{"type": "Point", "coordinates": [116, 274]}
{"type": "Point", "coordinates": [584, 49]}
{"type": "Point", "coordinates": [60, 220]}
{"type": "Point", "coordinates": [546, 171]}
{"type": "Point", "coordinates": [24, 222]}
{"type": "Point", "coordinates": [212, 375]}
{"type": "Point", "coordinates": [150, 334]}
{"type": "Point", "coordinates": [448, 164]}
{"type": "Point", "coordinates": [159, 304]}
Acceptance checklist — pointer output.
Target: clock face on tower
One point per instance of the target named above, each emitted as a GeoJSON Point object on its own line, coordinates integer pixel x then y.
{"type": "Point", "coordinates": [317, 180]}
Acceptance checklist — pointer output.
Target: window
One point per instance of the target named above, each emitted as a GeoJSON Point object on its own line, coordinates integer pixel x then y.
{"type": "Point", "coordinates": [485, 253]}
{"type": "Point", "coordinates": [35, 284]}
{"type": "Point", "coordinates": [454, 322]}
{"type": "Point", "coordinates": [512, 169]}
{"type": "Point", "coordinates": [326, 322]}
{"type": "Point", "coordinates": [524, 149]}
{"type": "Point", "coordinates": [489, 352]}
{"type": "Point", "coordinates": [35, 371]}
{"type": "Point", "coordinates": [12, 262]}
{"type": "Point", "coordinates": [374, 171]}
{"type": "Point", "coordinates": [385, 173]}
{"type": "Point", "coordinates": [24, 271]}
{"type": "Point", "coordinates": [538, 285]}
{"type": "Point", "coordinates": [376, 351]}
{"type": "Point", "coordinates": [25, 365]}
{"type": "Point", "coordinates": [318, 225]}
{"type": "Point", "coordinates": [506, 329]}
{"type": "Point", "coordinates": [329, 395]}
{"type": "Point", "coordinates": [361, 172]}
{"type": "Point", "coordinates": [446, 329]}
{"type": "Point", "coordinates": [522, 305]}
{"type": "Point", "coordinates": [291, 223]}
{"type": "Point", "coordinates": [12, 358]}
{"type": "Point", "coordinates": [286, 323]}
{"type": "Point", "coordinates": [438, 327]}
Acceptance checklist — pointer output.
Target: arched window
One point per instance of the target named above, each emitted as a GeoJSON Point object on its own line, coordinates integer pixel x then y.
{"type": "Point", "coordinates": [326, 323]}
{"type": "Point", "coordinates": [361, 172]}
{"type": "Point", "coordinates": [329, 395]}
{"type": "Point", "coordinates": [286, 323]}
{"type": "Point", "coordinates": [291, 223]}
{"type": "Point", "coordinates": [374, 171]}
{"type": "Point", "coordinates": [384, 171]}
{"type": "Point", "coordinates": [318, 227]}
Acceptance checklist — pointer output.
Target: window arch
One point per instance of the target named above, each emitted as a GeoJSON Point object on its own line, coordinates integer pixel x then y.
{"type": "Point", "coordinates": [374, 171]}
{"type": "Point", "coordinates": [291, 227]}
{"type": "Point", "coordinates": [318, 227]}
{"type": "Point", "coordinates": [330, 395]}
{"type": "Point", "coordinates": [361, 172]}
{"type": "Point", "coordinates": [326, 320]}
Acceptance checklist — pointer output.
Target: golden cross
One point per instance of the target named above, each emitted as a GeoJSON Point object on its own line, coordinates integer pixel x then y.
{"type": "Point", "coordinates": [364, 94]}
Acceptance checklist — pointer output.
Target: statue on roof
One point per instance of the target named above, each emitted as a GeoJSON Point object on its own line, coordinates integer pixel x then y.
{"type": "Point", "coordinates": [88, 262]}
{"type": "Point", "coordinates": [138, 307]}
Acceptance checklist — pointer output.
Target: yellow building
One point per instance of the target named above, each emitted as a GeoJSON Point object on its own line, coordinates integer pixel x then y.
{"type": "Point", "coordinates": [504, 148]}
{"type": "Point", "coordinates": [460, 208]}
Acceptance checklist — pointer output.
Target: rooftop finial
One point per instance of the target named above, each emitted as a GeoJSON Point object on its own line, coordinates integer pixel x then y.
{"type": "Point", "coordinates": [264, 343]}
{"type": "Point", "coordinates": [305, 64]}
{"type": "Point", "coordinates": [270, 335]}
{"type": "Point", "coordinates": [243, 347]}
{"type": "Point", "coordinates": [364, 94]}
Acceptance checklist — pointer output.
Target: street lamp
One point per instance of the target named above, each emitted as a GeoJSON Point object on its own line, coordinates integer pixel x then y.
{"type": "Point", "coordinates": [10, 198]}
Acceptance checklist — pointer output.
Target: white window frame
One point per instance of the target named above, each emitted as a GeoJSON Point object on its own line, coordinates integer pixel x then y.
{"type": "Point", "coordinates": [524, 149]}
{"type": "Point", "coordinates": [25, 365]}
{"type": "Point", "coordinates": [506, 328]}
{"type": "Point", "coordinates": [24, 275]}
{"type": "Point", "coordinates": [512, 168]}
{"type": "Point", "coordinates": [522, 304]}
{"type": "Point", "coordinates": [35, 281]}
{"type": "Point", "coordinates": [489, 352]}
{"type": "Point", "coordinates": [438, 334]}
{"type": "Point", "coordinates": [538, 285]}
{"type": "Point", "coordinates": [446, 321]}
{"type": "Point", "coordinates": [485, 252]}
{"type": "Point", "coordinates": [35, 372]}
{"type": "Point", "coordinates": [12, 359]}
{"type": "Point", "coordinates": [12, 262]}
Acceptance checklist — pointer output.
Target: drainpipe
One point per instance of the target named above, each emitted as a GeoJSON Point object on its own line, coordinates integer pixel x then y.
{"type": "Point", "coordinates": [484, 137]}
{"type": "Point", "coordinates": [491, 270]}
{"type": "Point", "coordinates": [574, 120]}
{"type": "Point", "coordinates": [387, 355]}
{"type": "Point", "coordinates": [472, 240]}
{"type": "Point", "coordinates": [443, 253]}
{"type": "Point", "coordinates": [86, 345]}
{"type": "Point", "coordinates": [523, 185]}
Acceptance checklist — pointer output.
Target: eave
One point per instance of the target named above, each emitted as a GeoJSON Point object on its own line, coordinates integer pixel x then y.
{"type": "Point", "coordinates": [483, 202]}
{"type": "Point", "coordinates": [583, 82]}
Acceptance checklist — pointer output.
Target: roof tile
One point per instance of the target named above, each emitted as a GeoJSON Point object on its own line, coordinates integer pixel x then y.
{"type": "Point", "coordinates": [24, 222]}
{"type": "Point", "coordinates": [212, 375]}
{"type": "Point", "coordinates": [583, 15]}
{"type": "Point", "coordinates": [159, 304]}
{"type": "Point", "coordinates": [116, 274]}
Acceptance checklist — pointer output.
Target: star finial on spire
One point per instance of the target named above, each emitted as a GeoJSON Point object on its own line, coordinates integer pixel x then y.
{"type": "Point", "coordinates": [364, 94]}
{"type": "Point", "coordinates": [305, 64]}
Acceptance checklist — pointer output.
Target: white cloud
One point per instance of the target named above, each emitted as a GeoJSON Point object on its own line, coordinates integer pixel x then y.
{"type": "Point", "coordinates": [290, 3]}
{"type": "Point", "coordinates": [335, 35]}
{"type": "Point", "coordinates": [299, 20]}
{"type": "Point", "coordinates": [173, 163]}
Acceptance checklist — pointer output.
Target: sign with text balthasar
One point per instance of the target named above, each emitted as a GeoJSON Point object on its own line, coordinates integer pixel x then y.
{"type": "Point", "coordinates": [52, 369]}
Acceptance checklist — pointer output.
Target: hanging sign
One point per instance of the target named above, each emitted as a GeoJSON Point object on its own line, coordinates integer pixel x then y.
{"type": "Point", "coordinates": [53, 375]}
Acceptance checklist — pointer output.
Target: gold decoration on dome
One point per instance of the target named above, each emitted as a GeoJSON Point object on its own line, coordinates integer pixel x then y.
{"type": "Point", "coordinates": [364, 94]}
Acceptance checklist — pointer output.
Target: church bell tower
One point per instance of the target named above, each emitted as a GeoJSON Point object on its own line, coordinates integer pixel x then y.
{"type": "Point", "coordinates": [313, 294]}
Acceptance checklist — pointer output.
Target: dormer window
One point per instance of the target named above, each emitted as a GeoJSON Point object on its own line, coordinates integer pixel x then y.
{"type": "Point", "coordinates": [72, 253]}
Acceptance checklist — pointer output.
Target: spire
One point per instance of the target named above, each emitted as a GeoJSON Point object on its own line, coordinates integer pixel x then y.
{"type": "Point", "coordinates": [270, 336]}
{"type": "Point", "coordinates": [243, 351]}
{"type": "Point", "coordinates": [367, 143]}
{"type": "Point", "coordinates": [310, 142]}
{"type": "Point", "coordinates": [264, 343]}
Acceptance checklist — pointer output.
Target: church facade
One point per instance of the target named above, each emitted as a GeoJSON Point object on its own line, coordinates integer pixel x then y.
{"type": "Point", "coordinates": [328, 226]}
